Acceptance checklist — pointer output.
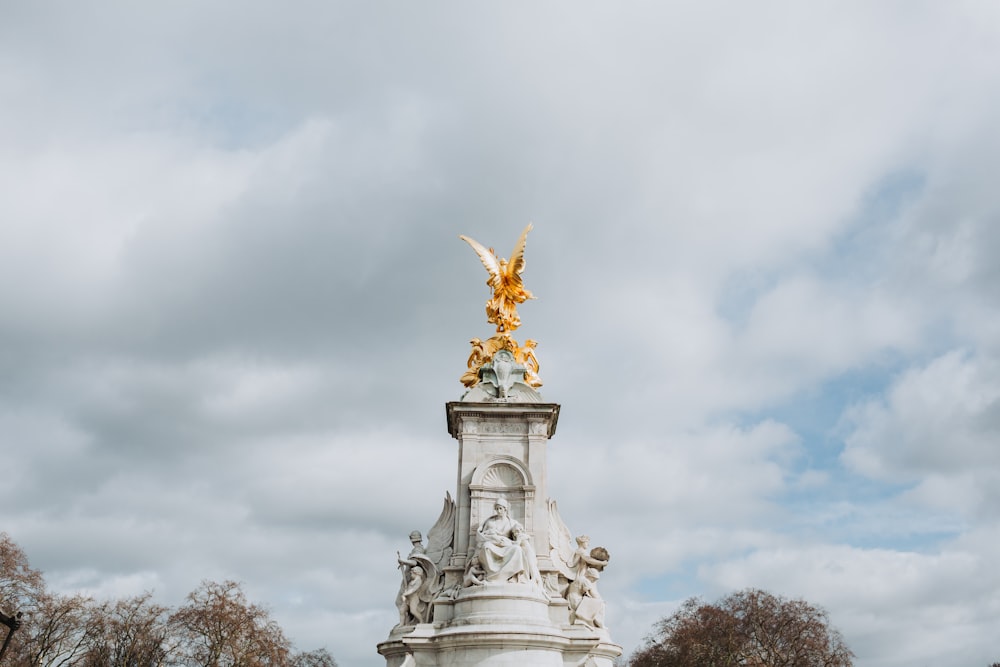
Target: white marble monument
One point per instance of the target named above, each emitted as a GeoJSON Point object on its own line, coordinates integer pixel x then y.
{"type": "Point", "coordinates": [501, 580]}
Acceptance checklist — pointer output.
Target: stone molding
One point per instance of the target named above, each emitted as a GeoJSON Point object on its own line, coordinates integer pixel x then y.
{"type": "Point", "coordinates": [537, 419]}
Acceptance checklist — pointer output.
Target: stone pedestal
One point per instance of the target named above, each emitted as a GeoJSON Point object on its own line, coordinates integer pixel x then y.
{"type": "Point", "coordinates": [473, 621]}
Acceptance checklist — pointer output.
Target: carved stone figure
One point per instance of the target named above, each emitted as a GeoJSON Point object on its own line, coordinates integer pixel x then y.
{"type": "Point", "coordinates": [423, 569]}
{"type": "Point", "coordinates": [585, 604]}
{"type": "Point", "coordinates": [414, 605]}
{"type": "Point", "coordinates": [474, 573]}
{"type": "Point", "coordinates": [503, 367]}
{"type": "Point", "coordinates": [584, 558]}
{"type": "Point", "coordinates": [575, 565]}
{"type": "Point", "coordinates": [505, 281]}
{"type": "Point", "coordinates": [417, 542]}
{"type": "Point", "coordinates": [503, 550]}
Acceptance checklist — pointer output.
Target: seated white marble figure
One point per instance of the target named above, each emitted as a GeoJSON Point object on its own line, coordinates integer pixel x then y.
{"type": "Point", "coordinates": [504, 551]}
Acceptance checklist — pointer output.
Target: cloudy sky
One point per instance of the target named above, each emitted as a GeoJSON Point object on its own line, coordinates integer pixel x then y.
{"type": "Point", "coordinates": [233, 302]}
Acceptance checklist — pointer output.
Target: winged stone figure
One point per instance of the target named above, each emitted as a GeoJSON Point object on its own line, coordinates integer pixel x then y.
{"type": "Point", "coordinates": [505, 281]}
{"type": "Point", "coordinates": [571, 562]}
{"type": "Point", "coordinates": [423, 569]}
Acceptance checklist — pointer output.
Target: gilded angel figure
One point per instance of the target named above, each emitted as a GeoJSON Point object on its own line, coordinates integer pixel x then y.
{"type": "Point", "coordinates": [505, 281]}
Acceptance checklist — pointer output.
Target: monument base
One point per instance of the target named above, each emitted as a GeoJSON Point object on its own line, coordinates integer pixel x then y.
{"type": "Point", "coordinates": [498, 625]}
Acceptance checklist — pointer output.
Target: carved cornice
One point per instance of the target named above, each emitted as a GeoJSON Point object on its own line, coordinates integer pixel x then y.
{"type": "Point", "coordinates": [531, 415]}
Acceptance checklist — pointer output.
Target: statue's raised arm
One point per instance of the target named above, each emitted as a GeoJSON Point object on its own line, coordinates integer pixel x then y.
{"type": "Point", "coordinates": [505, 281]}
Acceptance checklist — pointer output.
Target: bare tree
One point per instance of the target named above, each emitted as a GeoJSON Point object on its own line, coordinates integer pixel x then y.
{"type": "Point", "coordinates": [57, 633]}
{"type": "Point", "coordinates": [54, 629]}
{"type": "Point", "coordinates": [21, 587]}
{"type": "Point", "coordinates": [129, 633]}
{"type": "Point", "coordinates": [750, 628]}
{"type": "Point", "coordinates": [318, 658]}
{"type": "Point", "coordinates": [218, 627]}
{"type": "Point", "coordinates": [20, 584]}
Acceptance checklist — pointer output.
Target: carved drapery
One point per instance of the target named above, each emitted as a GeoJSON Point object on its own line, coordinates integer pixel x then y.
{"type": "Point", "coordinates": [507, 478]}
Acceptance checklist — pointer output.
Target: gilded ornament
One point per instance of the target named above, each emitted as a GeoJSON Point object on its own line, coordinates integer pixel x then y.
{"type": "Point", "coordinates": [501, 309]}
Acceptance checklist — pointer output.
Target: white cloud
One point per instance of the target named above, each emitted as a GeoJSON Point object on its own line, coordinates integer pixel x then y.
{"type": "Point", "coordinates": [937, 426]}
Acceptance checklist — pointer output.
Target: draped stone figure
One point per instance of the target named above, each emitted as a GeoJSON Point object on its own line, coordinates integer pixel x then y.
{"type": "Point", "coordinates": [504, 552]}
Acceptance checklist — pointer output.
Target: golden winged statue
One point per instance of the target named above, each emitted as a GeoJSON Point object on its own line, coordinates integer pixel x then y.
{"type": "Point", "coordinates": [505, 281]}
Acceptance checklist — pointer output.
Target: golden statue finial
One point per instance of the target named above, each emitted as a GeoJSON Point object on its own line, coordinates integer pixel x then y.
{"type": "Point", "coordinates": [505, 281]}
{"type": "Point", "coordinates": [501, 310]}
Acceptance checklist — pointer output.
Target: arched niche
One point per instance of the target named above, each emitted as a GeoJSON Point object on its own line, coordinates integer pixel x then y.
{"type": "Point", "coordinates": [502, 477]}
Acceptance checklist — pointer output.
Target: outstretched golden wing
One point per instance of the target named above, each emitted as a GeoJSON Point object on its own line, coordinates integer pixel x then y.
{"type": "Point", "coordinates": [512, 279]}
{"type": "Point", "coordinates": [488, 259]}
